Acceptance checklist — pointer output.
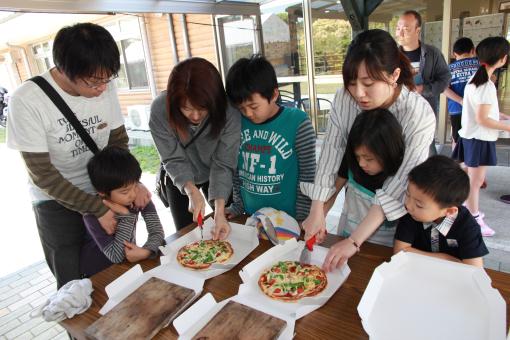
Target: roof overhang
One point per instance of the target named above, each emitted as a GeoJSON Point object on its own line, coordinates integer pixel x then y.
{"type": "Point", "coordinates": [246, 7]}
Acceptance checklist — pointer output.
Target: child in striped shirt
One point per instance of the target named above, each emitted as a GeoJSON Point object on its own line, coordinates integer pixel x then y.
{"type": "Point", "coordinates": [277, 149]}
{"type": "Point", "coordinates": [114, 173]}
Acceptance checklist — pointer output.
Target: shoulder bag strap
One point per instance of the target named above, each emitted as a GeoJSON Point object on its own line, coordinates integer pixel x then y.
{"type": "Point", "coordinates": [66, 111]}
{"type": "Point", "coordinates": [196, 135]}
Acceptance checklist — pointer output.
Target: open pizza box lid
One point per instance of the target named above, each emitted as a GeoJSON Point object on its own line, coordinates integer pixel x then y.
{"type": "Point", "coordinates": [128, 282]}
{"type": "Point", "coordinates": [290, 250]}
{"type": "Point", "coordinates": [243, 239]}
{"type": "Point", "coordinates": [420, 297]}
{"type": "Point", "coordinates": [189, 323]}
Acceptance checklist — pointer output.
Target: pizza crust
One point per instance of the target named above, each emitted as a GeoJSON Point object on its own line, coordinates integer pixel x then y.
{"type": "Point", "coordinates": [195, 255]}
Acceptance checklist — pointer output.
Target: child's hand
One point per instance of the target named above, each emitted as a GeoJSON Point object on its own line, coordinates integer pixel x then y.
{"type": "Point", "coordinates": [135, 253]}
{"type": "Point", "coordinates": [222, 228]}
{"type": "Point", "coordinates": [338, 254]}
{"type": "Point", "coordinates": [503, 116]}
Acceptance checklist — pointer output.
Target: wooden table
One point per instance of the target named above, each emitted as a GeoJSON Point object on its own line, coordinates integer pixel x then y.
{"type": "Point", "coordinates": [338, 318]}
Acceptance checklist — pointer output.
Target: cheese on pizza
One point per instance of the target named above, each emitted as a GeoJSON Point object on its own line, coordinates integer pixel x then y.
{"type": "Point", "coordinates": [290, 281]}
{"type": "Point", "coordinates": [201, 254]}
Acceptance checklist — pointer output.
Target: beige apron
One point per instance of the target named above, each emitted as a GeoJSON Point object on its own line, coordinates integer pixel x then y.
{"type": "Point", "coordinates": [358, 200]}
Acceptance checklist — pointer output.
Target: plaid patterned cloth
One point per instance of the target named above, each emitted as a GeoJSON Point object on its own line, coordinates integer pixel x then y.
{"type": "Point", "coordinates": [443, 228]}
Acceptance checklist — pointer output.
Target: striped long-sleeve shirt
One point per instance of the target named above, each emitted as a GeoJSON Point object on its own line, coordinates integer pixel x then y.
{"type": "Point", "coordinates": [305, 150]}
{"type": "Point", "coordinates": [48, 179]}
{"type": "Point", "coordinates": [418, 124]}
{"type": "Point", "coordinates": [54, 154]}
{"type": "Point", "coordinates": [113, 245]}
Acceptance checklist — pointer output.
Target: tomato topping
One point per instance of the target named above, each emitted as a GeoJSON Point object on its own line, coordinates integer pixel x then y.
{"type": "Point", "coordinates": [191, 262]}
{"type": "Point", "coordinates": [272, 282]}
{"type": "Point", "coordinates": [288, 294]}
{"type": "Point", "coordinates": [318, 277]}
{"type": "Point", "coordinates": [277, 290]}
{"type": "Point", "coordinates": [300, 290]}
{"type": "Point", "coordinates": [276, 270]}
{"type": "Point", "coordinates": [292, 269]}
{"type": "Point", "coordinates": [218, 254]}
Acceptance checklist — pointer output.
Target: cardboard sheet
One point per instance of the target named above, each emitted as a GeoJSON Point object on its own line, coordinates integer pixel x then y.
{"type": "Point", "coordinates": [197, 316]}
{"type": "Point", "coordinates": [158, 301]}
{"type": "Point", "coordinates": [127, 283]}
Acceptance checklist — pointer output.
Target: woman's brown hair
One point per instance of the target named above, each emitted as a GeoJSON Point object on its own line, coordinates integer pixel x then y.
{"type": "Point", "coordinates": [381, 55]}
{"type": "Point", "coordinates": [199, 82]}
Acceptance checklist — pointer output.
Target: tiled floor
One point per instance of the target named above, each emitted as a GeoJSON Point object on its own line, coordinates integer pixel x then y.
{"type": "Point", "coordinates": [20, 293]}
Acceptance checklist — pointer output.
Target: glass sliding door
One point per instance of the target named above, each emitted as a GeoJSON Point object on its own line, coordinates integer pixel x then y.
{"type": "Point", "coordinates": [237, 39]}
{"type": "Point", "coordinates": [284, 46]}
{"type": "Point", "coordinates": [331, 34]}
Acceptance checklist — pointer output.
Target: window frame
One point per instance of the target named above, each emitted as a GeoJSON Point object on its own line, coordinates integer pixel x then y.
{"type": "Point", "coordinates": [43, 55]}
{"type": "Point", "coordinates": [115, 28]}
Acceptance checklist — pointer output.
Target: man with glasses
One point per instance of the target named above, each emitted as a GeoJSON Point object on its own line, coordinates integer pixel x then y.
{"type": "Point", "coordinates": [86, 60]}
{"type": "Point", "coordinates": [432, 75]}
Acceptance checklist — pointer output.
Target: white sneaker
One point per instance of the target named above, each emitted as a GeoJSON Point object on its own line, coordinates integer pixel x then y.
{"type": "Point", "coordinates": [486, 230]}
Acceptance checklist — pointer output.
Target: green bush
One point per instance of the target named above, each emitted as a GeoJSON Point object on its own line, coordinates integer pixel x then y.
{"type": "Point", "coordinates": [148, 158]}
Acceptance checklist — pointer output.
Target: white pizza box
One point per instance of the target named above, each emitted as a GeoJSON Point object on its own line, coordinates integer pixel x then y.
{"type": "Point", "coordinates": [290, 250]}
{"type": "Point", "coordinates": [420, 297]}
{"type": "Point", "coordinates": [189, 323]}
{"type": "Point", "coordinates": [243, 239]}
{"type": "Point", "coordinates": [128, 282]}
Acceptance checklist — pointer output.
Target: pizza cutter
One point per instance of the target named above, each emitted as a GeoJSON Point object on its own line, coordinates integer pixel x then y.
{"type": "Point", "coordinates": [200, 222]}
{"type": "Point", "coordinates": [306, 253]}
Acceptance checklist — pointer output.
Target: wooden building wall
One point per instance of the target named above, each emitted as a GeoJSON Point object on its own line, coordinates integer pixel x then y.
{"type": "Point", "coordinates": [161, 49]}
{"type": "Point", "coordinates": [201, 39]}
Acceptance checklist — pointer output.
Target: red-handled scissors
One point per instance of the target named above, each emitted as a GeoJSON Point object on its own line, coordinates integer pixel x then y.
{"type": "Point", "coordinates": [200, 221]}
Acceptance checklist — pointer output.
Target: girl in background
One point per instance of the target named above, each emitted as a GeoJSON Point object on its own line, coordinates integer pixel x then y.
{"type": "Point", "coordinates": [480, 122]}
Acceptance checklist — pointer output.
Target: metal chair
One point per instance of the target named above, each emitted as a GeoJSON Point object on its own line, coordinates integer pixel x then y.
{"type": "Point", "coordinates": [324, 106]}
{"type": "Point", "coordinates": [286, 99]}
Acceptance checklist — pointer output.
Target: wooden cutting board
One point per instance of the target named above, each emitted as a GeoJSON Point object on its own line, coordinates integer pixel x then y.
{"type": "Point", "coordinates": [237, 321]}
{"type": "Point", "coordinates": [143, 313]}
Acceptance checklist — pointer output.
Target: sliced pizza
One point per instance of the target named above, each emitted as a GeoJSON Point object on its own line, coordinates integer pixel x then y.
{"type": "Point", "coordinates": [201, 254]}
{"type": "Point", "coordinates": [291, 281]}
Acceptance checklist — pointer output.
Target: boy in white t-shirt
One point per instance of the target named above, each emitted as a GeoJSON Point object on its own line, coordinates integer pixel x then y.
{"type": "Point", "coordinates": [86, 59]}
